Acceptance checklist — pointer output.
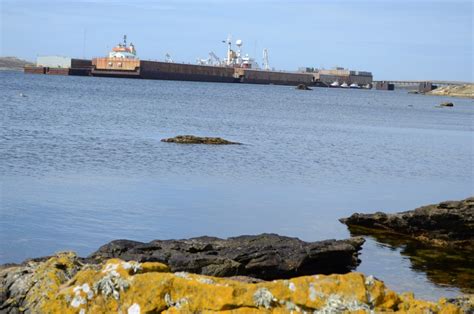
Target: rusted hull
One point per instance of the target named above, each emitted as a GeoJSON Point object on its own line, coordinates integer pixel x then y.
{"type": "Point", "coordinates": [109, 67]}
{"type": "Point", "coordinates": [34, 70]}
{"type": "Point", "coordinates": [272, 77]}
{"type": "Point", "coordinates": [46, 70]}
{"type": "Point", "coordinates": [185, 72]}
{"type": "Point", "coordinates": [115, 73]}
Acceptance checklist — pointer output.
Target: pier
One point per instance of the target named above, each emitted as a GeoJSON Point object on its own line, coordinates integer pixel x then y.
{"type": "Point", "coordinates": [417, 83]}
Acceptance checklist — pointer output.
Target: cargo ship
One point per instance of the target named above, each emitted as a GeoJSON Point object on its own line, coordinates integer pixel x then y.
{"type": "Point", "coordinates": [122, 62]}
{"type": "Point", "coordinates": [236, 68]}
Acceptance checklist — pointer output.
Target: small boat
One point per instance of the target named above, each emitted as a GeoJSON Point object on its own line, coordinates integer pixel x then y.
{"type": "Point", "coordinates": [344, 85]}
{"type": "Point", "coordinates": [334, 84]}
{"type": "Point", "coordinates": [354, 85]}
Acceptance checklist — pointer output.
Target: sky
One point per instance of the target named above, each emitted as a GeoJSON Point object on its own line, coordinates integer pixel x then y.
{"type": "Point", "coordinates": [395, 40]}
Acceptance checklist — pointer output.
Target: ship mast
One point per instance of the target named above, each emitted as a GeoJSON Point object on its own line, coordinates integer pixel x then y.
{"type": "Point", "coordinates": [229, 50]}
{"type": "Point", "coordinates": [266, 64]}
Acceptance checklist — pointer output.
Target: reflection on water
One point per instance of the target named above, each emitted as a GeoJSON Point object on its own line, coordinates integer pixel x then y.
{"type": "Point", "coordinates": [443, 267]}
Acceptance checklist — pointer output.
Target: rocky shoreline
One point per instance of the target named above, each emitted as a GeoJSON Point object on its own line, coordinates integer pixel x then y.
{"type": "Point", "coordinates": [65, 284]}
{"type": "Point", "coordinates": [447, 224]}
{"type": "Point", "coordinates": [246, 274]}
{"type": "Point", "coordinates": [466, 91]}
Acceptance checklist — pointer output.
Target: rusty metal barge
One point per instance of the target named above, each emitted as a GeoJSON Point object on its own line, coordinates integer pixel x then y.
{"type": "Point", "coordinates": [122, 62]}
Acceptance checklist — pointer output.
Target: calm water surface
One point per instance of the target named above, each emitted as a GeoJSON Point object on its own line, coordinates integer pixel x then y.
{"type": "Point", "coordinates": [82, 164]}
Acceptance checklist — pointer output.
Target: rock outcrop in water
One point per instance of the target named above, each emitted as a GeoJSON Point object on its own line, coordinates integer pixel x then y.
{"type": "Point", "coordinates": [265, 256]}
{"type": "Point", "coordinates": [302, 87]}
{"type": "Point", "coordinates": [191, 139]}
{"type": "Point", "coordinates": [447, 224]}
{"type": "Point", "coordinates": [63, 284]}
{"type": "Point", "coordinates": [446, 104]}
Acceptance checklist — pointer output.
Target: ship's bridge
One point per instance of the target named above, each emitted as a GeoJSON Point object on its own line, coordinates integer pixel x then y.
{"type": "Point", "coordinates": [122, 55]}
{"type": "Point", "coordinates": [123, 51]}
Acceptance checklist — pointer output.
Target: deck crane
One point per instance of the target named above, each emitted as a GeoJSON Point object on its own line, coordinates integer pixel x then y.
{"type": "Point", "coordinates": [168, 58]}
{"type": "Point", "coordinates": [214, 59]}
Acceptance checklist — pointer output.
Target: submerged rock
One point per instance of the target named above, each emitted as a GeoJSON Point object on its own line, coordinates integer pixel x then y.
{"type": "Point", "coordinates": [303, 87]}
{"type": "Point", "coordinates": [191, 139]}
{"type": "Point", "coordinates": [116, 286]}
{"type": "Point", "coordinates": [447, 224]}
{"type": "Point", "coordinates": [265, 256]}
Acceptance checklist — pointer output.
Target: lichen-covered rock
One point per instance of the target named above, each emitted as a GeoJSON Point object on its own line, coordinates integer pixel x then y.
{"type": "Point", "coordinates": [152, 288]}
{"type": "Point", "coordinates": [448, 224]}
{"type": "Point", "coordinates": [24, 287]}
{"type": "Point", "coordinates": [265, 256]}
{"type": "Point", "coordinates": [191, 139]}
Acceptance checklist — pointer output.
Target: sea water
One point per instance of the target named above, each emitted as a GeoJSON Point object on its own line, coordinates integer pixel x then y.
{"type": "Point", "coordinates": [82, 164]}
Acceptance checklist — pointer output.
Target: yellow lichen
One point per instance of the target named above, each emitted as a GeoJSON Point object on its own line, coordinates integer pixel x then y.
{"type": "Point", "coordinates": [129, 287]}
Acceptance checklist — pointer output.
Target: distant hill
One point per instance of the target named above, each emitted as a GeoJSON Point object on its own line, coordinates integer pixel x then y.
{"type": "Point", "coordinates": [13, 63]}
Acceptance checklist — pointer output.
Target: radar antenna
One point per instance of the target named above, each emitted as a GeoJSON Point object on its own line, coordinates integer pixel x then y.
{"type": "Point", "coordinates": [168, 58]}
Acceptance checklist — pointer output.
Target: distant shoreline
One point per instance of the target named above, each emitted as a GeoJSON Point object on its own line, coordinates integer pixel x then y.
{"type": "Point", "coordinates": [12, 69]}
{"type": "Point", "coordinates": [465, 91]}
{"type": "Point", "coordinates": [13, 64]}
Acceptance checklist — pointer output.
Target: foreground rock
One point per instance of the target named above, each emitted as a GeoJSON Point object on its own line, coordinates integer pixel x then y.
{"type": "Point", "coordinates": [265, 256]}
{"type": "Point", "coordinates": [63, 284]}
{"type": "Point", "coordinates": [447, 224]}
{"type": "Point", "coordinates": [466, 90]}
{"type": "Point", "coordinates": [191, 139]}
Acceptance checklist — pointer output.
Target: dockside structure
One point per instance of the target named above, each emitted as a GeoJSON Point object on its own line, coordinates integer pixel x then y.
{"type": "Point", "coordinates": [58, 65]}
{"type": "Point", "coordinates": [325, 77]}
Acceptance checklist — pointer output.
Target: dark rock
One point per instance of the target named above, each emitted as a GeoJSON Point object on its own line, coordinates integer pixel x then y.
{"type": "Point", "coordinates": [303, 87]}
{"type": "Point", "coordinates": [191, 139]}
{"type": "Point", "coordinates": [446, 104]}
{"type": "Point", "coordinates": [447, 224]}
{"type": "Point", "coordinates": [265, 256]}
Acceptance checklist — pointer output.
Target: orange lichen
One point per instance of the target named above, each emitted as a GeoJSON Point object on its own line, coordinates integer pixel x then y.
{"type": "Point", "coordinates": [130, 287]}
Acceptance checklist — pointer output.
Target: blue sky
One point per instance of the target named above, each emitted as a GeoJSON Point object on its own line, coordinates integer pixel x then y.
{"type": "Point", "coordinates": [402, 39]}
